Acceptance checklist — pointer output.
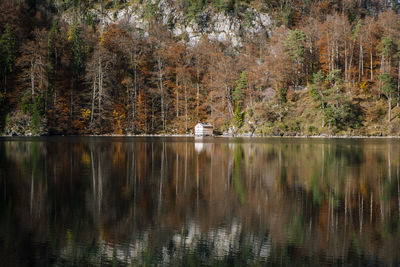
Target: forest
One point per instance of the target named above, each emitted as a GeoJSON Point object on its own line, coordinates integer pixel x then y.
{"type": "Point", "coordinates": [327, 68]}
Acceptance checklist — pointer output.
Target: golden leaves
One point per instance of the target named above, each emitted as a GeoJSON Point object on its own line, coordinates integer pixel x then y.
{"type": "Point", "coordinates": [85, 113]}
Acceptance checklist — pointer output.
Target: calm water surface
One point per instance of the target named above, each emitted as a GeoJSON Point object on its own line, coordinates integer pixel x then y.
{"type": "Point", "coordinates": [184, 202]}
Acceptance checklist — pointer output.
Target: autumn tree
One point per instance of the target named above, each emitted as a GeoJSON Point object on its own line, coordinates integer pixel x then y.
{"type": "Point", "coordinates": [398, 70]}
{"type": "Point", "coordinates": [250, 60]}
{"type": "Point", "coordinates": [136, 51]}
{"type": "Point", "coordinates": [334, 43]}
{"type": "Point", "coordinates": [209, 54]}
{"type": "Point", "coordinates": [311, 28]}
{"type": "Point", "coordinates": [371, 38]}
{"type": "Point", "coordinates": [54, 51]}
{"type": "Point", "coordinates": [98, 74]}
{"type": "Point", "coordinates": [159, 39]}
{"type": "Point", "coordinates": [33, 63]}
{"type": "Point", "coordinates": [358, 35]}
{"type": "Point", "coordinates": [200, 62]}
{"type": "Point", "coordinates": [131, 50]}
{"type": "Point", "coordinates": [179, 72]}
{"type": "Point", "coordinates": [224, 77]}
{"type": "Point", "coordinates": [390, 32]}
{"type": "Point", "coordinates": [279, 64]}
{"type": "Point", "coordinates": [77, 61]}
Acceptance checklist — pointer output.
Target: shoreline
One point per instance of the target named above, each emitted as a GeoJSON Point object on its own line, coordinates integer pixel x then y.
{"type": "Point", "coordinates": [222, 136]}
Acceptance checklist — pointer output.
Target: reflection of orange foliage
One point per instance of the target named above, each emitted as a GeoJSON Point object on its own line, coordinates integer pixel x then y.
{"type": "Point", "coordinates": [349, 186]}
{"type": "Point", "coordinates": [85, 159]}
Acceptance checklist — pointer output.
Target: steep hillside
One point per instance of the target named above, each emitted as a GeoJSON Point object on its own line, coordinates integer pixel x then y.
{"type": "Point", "coordinates": [160, 66]}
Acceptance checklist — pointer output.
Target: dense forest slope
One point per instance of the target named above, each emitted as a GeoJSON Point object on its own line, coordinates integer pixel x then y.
{"type": "Point", "coordinates": [160, 66]}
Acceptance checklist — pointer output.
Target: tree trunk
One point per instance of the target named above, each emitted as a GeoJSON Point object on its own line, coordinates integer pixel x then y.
{"type": "Point", "coordinates": [152, 114]}
{"type": "Point", "coordinates": [45, 101]}
{"type": "Point", "coordinates": [100, 91]}
{"type": "Point", "coordinates": [93, 100]}
{"type": "Point", "coordinates": [55, 99]}
{"type": "Point", "coordinates": [360, 63]}
{"type": "Point", "coordinates": [5, 83]}
{"type": "Point", "coordinates": [146, 125]}
{"type": "Point", "coordinates": [32, 79]}
{"type": "Point", "coordinates": [351, 60]}
{"type": "Point", "coordinates": [362, 60]}
{"type": "Point", "coordinates": [381, 70]}
{"type": "Point", "coordinates": [372, 68]}
{"type": "Point", "coordinates": [134, 96]}
{"type": "Point", "coordinates": [389, 108]}
{"type": "Point", "coordinates": [229, 100]}
{"type": "Point", "coordinates": [160, 81]}
{"type": "Point", "coordinates": [177, 97]}
{"type": "Point", "coordinates": [186, 109]}
{"type": "Point", "coordinates": [332, 57]}
{"type": "Point", "coordinates": [71, 103]}
{"type": "Point", "coordinates": [345, 62]}
{"type": "Point", "coordinates": [198, 94]}
{"type": "Point", "coordinates": [337, 56]}
{"type": "Point", "coordinates": [398, 84]}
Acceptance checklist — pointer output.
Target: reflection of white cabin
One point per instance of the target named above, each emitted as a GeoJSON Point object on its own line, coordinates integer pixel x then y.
{"type": "Point", "coordinates": [203, 129]}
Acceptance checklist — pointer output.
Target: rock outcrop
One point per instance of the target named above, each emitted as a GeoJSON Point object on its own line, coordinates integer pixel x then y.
{"type": "Point", "coordinates": [218, 25]}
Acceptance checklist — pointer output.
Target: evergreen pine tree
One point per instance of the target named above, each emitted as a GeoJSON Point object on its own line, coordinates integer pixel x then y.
{"type": "Point", "coordinates": [7, 56]}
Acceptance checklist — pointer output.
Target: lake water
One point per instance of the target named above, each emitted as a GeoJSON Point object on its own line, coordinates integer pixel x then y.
{"type": "Point", "coordinates": [81, 201]}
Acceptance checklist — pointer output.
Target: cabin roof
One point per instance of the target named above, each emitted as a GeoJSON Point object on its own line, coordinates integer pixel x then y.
{"type": "Point", "coordinates": [205, 125]}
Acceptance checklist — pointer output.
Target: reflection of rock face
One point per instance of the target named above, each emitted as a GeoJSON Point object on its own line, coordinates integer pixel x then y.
{"type": "Point", "coordinates": [222, 242]}
{"type": "Point", "coordinates": [159, 200]}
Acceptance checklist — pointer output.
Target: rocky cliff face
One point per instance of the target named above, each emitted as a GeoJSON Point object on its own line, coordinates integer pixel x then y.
{"type": "Point", "coordinates": [218, 25]}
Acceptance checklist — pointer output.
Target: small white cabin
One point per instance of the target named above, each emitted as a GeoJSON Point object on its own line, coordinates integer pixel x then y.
{"type": "Point", "coordinates": [203, 129]}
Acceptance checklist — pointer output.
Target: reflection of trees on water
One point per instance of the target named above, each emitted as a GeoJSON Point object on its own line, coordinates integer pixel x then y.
{"type": "Point", "coordinates": [279, 201]}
